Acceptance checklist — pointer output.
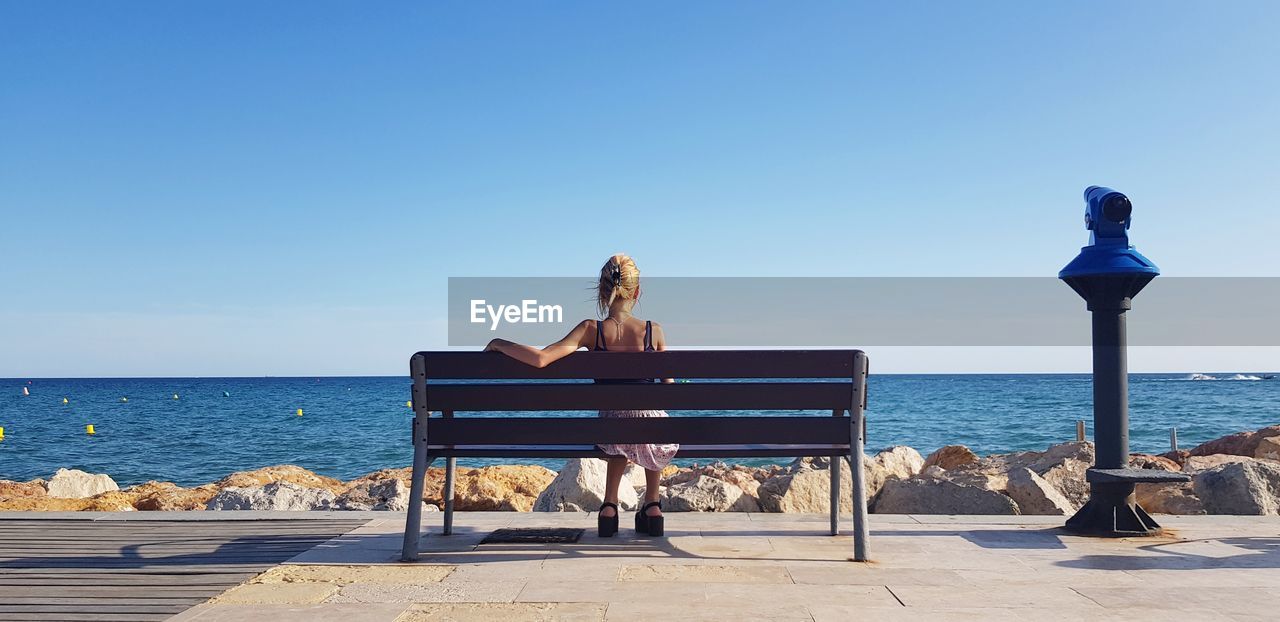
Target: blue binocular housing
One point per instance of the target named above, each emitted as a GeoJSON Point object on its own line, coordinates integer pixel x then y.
{"type": "Point", "coordinates": [1108, 214]}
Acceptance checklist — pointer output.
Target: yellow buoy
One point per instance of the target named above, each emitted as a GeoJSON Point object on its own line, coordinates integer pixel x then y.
{"type": "Point", "coordinates": [64, 400]}
{"type": "Point", "coordinates": [409, 403]}
{"type": "Point", "coordinates": [299, 412]}
{"type": "Point", "coordinates": [89, 430]}
{"type": "Point", "coordinates": [1, 434]}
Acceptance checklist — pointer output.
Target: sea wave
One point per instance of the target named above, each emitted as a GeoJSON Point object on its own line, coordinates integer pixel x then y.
{"type": "Point", "coordinates": [1249, 377]}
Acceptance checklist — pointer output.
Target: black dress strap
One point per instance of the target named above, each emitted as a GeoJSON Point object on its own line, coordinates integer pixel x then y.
{"type": "Point", "coordinates": [648, 334]}
{"type": "Point", "coordinates": [600, 335]}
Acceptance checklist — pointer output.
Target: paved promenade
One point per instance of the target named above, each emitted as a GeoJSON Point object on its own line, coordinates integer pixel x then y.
{"type": "Point", "coordinates": [770, 566]}
{"type": "Point", "coordinates": [777, 567]}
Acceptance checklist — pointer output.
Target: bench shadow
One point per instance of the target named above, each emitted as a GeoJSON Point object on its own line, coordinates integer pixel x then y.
{"type": "Point", "coordinates": [1008, 539]}
{"type": "Point", "coordinates": [464, 546]}
{"type": "Point", "coordinates": [259, 550]}
{"type": "Point", "coordinates": [1256, 552]}
{"type": "Point", "coordinates": [435, 548]}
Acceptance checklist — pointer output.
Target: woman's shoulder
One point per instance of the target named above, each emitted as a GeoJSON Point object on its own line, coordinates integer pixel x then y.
{"type": "Point", "coordinates": [653, 327]}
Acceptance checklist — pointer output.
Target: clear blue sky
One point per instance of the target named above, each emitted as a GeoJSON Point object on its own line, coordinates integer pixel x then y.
{"type": "Point", "coordinates": [226, 188]}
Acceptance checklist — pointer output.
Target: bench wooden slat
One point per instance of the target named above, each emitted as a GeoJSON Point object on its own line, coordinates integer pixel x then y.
{"type": "Point", "coordinates": [592, 430]}
{"type": "Point", "coordinates": [644, 396]}
{"type": "Point", "coordinates": [591, 451]}
{"type": "Point", "coordinates": [672, 363]}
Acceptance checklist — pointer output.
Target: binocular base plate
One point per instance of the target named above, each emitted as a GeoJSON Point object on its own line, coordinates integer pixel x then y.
{"type": "Point", "coordinates": [1112, 520]}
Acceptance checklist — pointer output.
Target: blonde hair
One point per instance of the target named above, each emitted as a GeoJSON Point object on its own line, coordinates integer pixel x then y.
{"type": "Point", "coordinates": [619, 278]}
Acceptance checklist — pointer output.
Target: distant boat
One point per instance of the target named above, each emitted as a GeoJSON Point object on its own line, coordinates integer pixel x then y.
{"type": "Point", "coordinates": [25, 391]}
{"type": "Point", "coordinates": [1269, 377]}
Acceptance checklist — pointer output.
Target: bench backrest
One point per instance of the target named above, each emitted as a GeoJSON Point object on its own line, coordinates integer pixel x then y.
{"type": "Point", "coordinates": [824, 380]}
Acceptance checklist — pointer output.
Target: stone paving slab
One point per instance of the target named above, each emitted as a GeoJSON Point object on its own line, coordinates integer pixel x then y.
{"type": "Point", "coordinates": [347, 575]}
{"type": "Point", "coordinates": [361, 612]}
{"type": "Point", "coordinates": [784, 567]}
{"type": "Point", "coordinates": [439, 592]}
{"type": "Point", "coordinates": [277, 594]}
{"type": "Point", "coordinates": [703, 573]}
{"type": "Point", "coordinates": [845, 613]}
{"type": "Point", "coordinates": [507, 612]}
{"type": "Point", "coordinates": [1258, 603]}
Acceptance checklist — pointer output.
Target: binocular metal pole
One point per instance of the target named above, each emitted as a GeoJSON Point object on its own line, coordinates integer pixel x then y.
{"type": "Point", "coordinates": [1112, 508]}
{"type": "Point", "coordinates": [1110, 389]}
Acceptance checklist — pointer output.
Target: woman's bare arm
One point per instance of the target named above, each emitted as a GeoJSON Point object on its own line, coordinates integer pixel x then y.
{"type": "Point", "coordinates": [529, 355]}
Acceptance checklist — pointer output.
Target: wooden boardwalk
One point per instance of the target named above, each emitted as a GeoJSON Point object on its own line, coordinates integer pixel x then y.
{"type": "Point", "coordinates": [76, 569]}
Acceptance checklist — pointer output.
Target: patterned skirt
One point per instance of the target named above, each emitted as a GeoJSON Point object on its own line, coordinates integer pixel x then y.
{"type": "Point", "coordinates": [649, 456]}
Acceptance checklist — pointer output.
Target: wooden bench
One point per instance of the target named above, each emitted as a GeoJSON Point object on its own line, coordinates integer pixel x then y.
{"type": "Point", "coordinates": [830, 381]}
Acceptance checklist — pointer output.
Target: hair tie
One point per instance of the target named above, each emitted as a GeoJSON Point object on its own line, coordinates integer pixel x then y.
{"type": "Point", "coordinates": [616, 275]}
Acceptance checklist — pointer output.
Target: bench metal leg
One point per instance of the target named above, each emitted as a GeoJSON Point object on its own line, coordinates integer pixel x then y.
{"type": "Point", "coordinates": [449, 468]}
{"type": "Point", "coordinates": [861, 531]}
{"type": "Point", "coordinates": [835, 494]}
{"type": "Point", "coordinates": [857, 455]}
{"type": "Point", "coordinates": [413, 524]}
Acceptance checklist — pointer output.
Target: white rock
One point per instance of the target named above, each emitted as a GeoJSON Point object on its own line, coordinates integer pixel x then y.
{"type": "Point", "coordinates": [898, 462]}
{"type": "Point", "coordinates": [1195, 464]}
{"type": "Point", "coordinates": [707, 494]}
{"type": "Point", "coordinates": [580, 486]}
{"type": "Point", "coordinates": [74, 484]}
{"type": "Point", "coordinates": [1173, 498]}
{"type": "Point", "coordinates": [1250, 488]}
{"type": "Point", "coordinates": [746, 478]}
{"type": "Point", "coordinates": [996, 482]}
{"type": "Point", "coordinates": [806, 490]}
{"type": "Point", "coordinates": [1068, 477]}
{"type": "Point", "coordinates": [1038, 461]}
{"type": "Point", "coordinates": [806, 486]}
{"type": "Point", "coordinates": [933, 472]}
{"type": "Point", "coordinates": [387, 494]}
{"type": "Point", "coordinates": [273, 496]}
{"type": "Point", "coordinates": [635, 476]}
{"type": "Point", "coordinates": [1034, 495]}
{"type": "Point", "coordinates": [940, 496]}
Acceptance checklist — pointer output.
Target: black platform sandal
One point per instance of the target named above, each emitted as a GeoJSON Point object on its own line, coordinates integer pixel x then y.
{"type": "Point", "coordinates": [646, 524]}
{"type": "Point", "coordinates": [607, 525]}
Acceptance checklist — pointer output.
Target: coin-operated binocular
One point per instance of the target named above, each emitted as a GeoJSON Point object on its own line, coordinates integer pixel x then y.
{"type": "Point", "coordinates": [1109, 256]}
{"type": "Point", "coordinates": [1108, 273]}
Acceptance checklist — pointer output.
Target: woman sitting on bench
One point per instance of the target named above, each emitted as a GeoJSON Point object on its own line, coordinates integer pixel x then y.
{"type": "Point", "coordinates": [617, 293]}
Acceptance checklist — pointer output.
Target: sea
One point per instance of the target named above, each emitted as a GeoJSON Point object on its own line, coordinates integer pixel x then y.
{"type": "Point", "coordinates": [196, 430]}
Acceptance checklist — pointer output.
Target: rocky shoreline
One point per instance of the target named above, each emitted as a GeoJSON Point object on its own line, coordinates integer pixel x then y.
{"type": "Point", "coordinates": [1236, 474]}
